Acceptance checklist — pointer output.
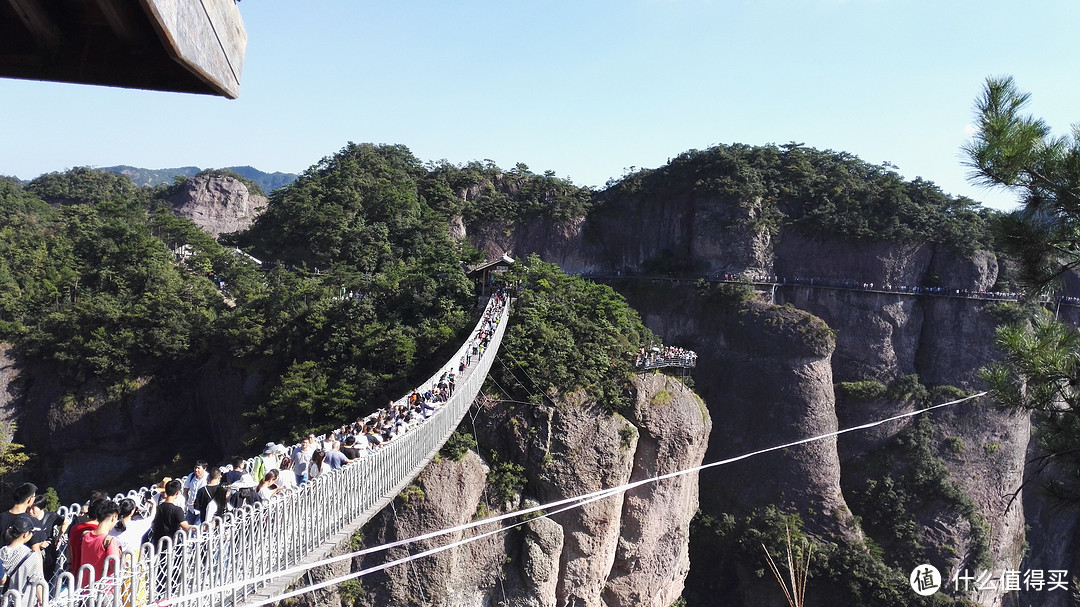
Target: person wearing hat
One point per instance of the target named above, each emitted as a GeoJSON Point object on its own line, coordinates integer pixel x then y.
{"type": "Point", "coordinates": [23, 565]}
{"type": "Point", "coordinates": [266, 462]}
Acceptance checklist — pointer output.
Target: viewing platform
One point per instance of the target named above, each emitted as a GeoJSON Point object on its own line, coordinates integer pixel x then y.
{"type": "Point", "coordinates": [669, 356]}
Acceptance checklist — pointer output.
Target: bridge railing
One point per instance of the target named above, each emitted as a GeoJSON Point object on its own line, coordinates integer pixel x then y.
{"type": "Point", "coordinates": [688, 361]}
{"type": "Point", "coordinates": [226, 561]}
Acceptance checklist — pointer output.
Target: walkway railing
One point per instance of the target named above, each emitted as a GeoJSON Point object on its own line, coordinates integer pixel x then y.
{"type": "Point", "coordinates": [688, 361]}
{"type": "Point", "coordinates": [232, 559]}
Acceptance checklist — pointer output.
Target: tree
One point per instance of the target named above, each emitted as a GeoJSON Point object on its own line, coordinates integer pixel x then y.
{"type": "Point", "coordinates": [12, 458]}
{"type": "Point", "coordinates": [1019, 153]}
{"type": "Point", "coordinates": [1040, 369]}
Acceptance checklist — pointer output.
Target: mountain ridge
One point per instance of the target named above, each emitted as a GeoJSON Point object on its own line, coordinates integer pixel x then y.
{"type": "Point", "coordinates": [152, 177]}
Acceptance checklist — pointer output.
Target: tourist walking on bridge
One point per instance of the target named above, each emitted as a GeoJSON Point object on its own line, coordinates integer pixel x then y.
{"type": "Point", "coordinates": [192, 484]}
{"type": "Point", "coordinates": [23, 565]}
{"type": "Point", "coordinates": [98, 545]}
{"type": "Point", "coordinates": [170, 517]}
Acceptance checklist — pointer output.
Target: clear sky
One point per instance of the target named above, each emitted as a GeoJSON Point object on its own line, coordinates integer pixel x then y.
{"type": "Point", "coordinates": [587, 88]}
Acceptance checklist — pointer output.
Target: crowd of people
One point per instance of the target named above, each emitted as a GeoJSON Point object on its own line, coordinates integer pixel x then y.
{"type": "Point", "coordinates": [837, 283]}
{"type": "Point", "coordinates": [39, 545]}
{"type": "Point", "coordinates": [665, 356]}
{"type": "Point", "coordinates": [886, 287]}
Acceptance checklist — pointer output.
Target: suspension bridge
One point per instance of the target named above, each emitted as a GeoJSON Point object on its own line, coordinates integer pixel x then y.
{"type": "Point", "coordinates": [258, 552]}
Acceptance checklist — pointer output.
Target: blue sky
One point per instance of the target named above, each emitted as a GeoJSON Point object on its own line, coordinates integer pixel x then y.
{"type": "Point", "coordinates": [585, 88]}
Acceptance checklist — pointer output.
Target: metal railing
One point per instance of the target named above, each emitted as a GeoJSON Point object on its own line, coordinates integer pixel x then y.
{"type": "Point", "coordinates": [229, 560]}
{"type": "Point", "coordinates": [688, 361]}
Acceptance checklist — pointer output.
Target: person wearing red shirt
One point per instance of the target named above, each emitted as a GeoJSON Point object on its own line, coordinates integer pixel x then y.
{"type": "Point", "coordinates": [76, 532]}
{"type": "Point", "coordinates": [98, 545]}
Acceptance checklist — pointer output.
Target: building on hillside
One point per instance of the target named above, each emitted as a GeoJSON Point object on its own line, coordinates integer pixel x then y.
{"type": "Point", "coordinates": [484, 275]}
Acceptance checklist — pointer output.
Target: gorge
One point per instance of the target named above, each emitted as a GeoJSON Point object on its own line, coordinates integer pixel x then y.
{"type": "Point", "coordinates": [774, 366]}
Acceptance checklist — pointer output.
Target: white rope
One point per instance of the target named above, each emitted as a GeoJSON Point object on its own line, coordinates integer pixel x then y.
{"type": "Point", "coordinates": [561, 505]}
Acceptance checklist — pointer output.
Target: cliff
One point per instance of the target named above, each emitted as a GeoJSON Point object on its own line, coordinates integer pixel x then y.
{"type": "Point", "coordinates": [218, 205]}
{"type": "Point", "coordinates": [83, 440]}
{"type": "Point", "coordinates": [615, 551]}
{"type": "Point", "coordinates": [764, 388]}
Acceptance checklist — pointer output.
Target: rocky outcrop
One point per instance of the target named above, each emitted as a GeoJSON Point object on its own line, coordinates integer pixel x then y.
{"type": "Point", "coordinates": [765, 373]}
{"type": "Point", "coordinates": [625, 549]}
{"type": "Point", "coordinates": [564, 243]}
{"type": "Point", "coordinates": [767, 384]}
{"type": "Point", "coordinates": [651, 559]}
{"type": "Point", "coordinates": [688, 232]}
{"type": "Point", "coordinates": [217, 204]}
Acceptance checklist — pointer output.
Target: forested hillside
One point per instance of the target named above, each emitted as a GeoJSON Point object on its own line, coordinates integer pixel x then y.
{"type": "Point", "coordinates": [820, 192]}
{"type": "Point", "coordinates": [97, 296]}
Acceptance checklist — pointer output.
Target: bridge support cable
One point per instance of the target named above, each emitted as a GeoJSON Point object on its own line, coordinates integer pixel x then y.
{"type": "Point", "coordinates": [240, 557]}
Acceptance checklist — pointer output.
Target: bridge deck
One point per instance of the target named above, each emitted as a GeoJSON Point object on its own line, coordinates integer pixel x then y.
{"type": "Point", "coordinates": [258, 552]}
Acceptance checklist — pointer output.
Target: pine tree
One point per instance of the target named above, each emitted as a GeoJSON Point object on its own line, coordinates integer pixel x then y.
{"type": "Point", "coordinates": [1040, 369]}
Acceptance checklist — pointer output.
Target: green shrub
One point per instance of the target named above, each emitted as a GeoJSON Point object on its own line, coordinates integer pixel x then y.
{"type": "Point", "coordinates": [662, 397]}
{"type": "Point", "coordinates": [506, 481]}
{"type": "Point", "coordinates": [955, 444]}
{"type": "Point", "coordinates": [943, 394]}
{"type": "Point", "coordinates": [458, 445]}
{"type": "Point", "coordinates": [860, 390]}
{"type": "Point", "coordinates": [412, 493]}
{"type": "Point", "coordinates": [908, 388]}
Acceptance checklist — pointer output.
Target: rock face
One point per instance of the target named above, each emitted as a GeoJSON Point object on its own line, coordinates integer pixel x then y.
{"type": "Point", "coordinates": [765, 386]}
{"type": "Point", "coordinates": [716, 234]}
{"type": "Point", "coordinates": [763, 395]}
{"type": "Point", "coordinates": [84, 440]}
{"type": "Point", "coordinates": [765, 373]}
{"type": "Point", "coordinates": [218, 204]}
{"type": "Point", "coordinates": [625, 549]}
{"type": "Point", "coordinates": [651, 558]}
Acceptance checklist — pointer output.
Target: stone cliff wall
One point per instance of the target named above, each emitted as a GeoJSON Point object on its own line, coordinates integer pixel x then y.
{"type": "Point", "coordinates": [690, 231]}
{"type": "Point", "coordinates": [766, 386]}
{"type": "Point", "coordinates": [627, 549]}
{"type": "Point", "coordinates": [84, 440]}
{"type": "Point", "coordinates": [217, 204]}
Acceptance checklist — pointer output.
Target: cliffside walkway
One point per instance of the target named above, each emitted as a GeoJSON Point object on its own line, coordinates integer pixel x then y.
{"type": "Point", "coordinates": [258, 552]}
{"type": "Point", "coordinates": [772, 283]}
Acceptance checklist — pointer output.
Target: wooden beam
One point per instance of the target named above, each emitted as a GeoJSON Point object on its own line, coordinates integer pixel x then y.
{"type": "Point", "coordinates": [118, 16]}
{"type": "Point", "coordinates": [41, 25]}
